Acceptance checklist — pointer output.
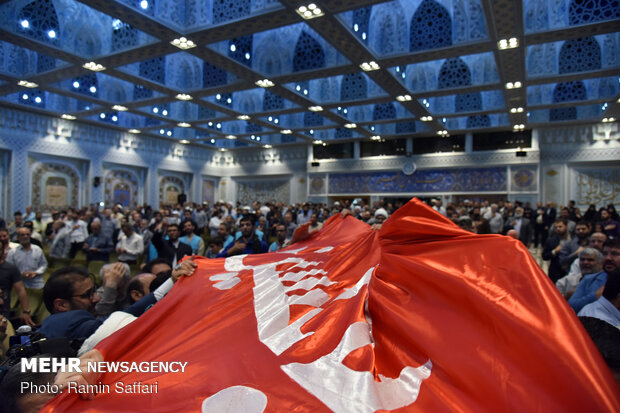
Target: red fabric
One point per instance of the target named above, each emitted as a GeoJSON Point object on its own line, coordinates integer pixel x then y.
{"type": "Point", "coordinates": [499, 335]}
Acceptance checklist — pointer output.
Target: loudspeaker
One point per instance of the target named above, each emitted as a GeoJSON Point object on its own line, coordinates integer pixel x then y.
{"type": "Point", "coordinates": [96, 181]}
{"type": "Point", "coordinates": [315, 164]}
{"type": "Point", "coordinates": [181, 199]}
{"type": "Point", "coordinates": [521, 153]}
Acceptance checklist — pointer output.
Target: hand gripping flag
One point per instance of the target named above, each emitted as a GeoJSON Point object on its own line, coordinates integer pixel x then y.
{"type": "Point", "coordinates": [420, 316]}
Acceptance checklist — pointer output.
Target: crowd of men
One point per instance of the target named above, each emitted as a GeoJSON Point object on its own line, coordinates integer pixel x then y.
{"type": "Point", "coordinates": [140, 250]}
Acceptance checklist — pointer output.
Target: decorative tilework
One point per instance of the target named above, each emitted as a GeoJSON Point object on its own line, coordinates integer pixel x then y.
{"type": "Point", "coordinates": [263, 191]}
{"type": "Point", "coordinates": [54, 186]}
{"type": "Point", "coordinates": [524, 179]}
{"type": "Point", "coordinates": [455, 180]}
{"type": "Point", "coordinates": [597, 186]}
{"type": "Point", "coordinates": [170, 187]}
{"type": "Point", "coordinates": [317, 184]}
{"type": "Point", "coordinates": [121, 187]}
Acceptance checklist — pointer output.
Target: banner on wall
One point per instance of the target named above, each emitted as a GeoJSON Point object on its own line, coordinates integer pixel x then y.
{"type": "Point", "coordinates": [409, 318]}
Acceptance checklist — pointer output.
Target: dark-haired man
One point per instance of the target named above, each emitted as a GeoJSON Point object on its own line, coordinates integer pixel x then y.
{"type": "Point", "coordinates": [591, 286]}
{"type": "Point", "coordinates": [171, 249]}
{"type": "Point", "coordinates": [248, 243]}
{"type": "Point", "coordinates": [29, 259]}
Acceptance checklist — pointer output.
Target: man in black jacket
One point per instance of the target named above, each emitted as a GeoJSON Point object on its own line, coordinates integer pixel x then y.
{"type": "Point", "coordinates": [170, 249]}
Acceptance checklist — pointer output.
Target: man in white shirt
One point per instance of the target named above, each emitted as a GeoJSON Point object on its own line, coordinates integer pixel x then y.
{"type": "Point", "coordinates": [29, 259]}
{"type": "Point", "coordinates": [79, 231]}
{"type": "Point", "coordinates": [130, 245]}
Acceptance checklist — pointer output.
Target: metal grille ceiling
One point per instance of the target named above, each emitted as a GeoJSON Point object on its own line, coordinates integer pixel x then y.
{"type": "Point", "coordinates": [238, 73]}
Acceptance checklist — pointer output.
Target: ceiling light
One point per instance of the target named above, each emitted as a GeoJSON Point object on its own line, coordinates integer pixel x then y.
{"type": "Point", "coordinates": [516, 110]}
{"type": "Point", "coordinates": [119, 108]}
{"type": "Point", "coordinates": [183, 43]}
{"type": "Point", "coordinates": [315, 108]}
{"type": "Point", "coordinates": [375, 138]}
{"type": "Point", "coordinates": [27, 84]}
{"type": "Point", "coordinates": [144, 4]}
{"type": "Point", "coordinates": [169, 133]}
{"type": "Point", "coordinates": [286, 131]}
{"type": "Point", "coordinates": [25, 24]}
{"type": "Point", "coordinates": [68, 117]}
{"type": "Point", "coordinates": [184, 125]}
{"type": "Point", "coordinates": [184, 141]}
{"type": "Point", "coordinates": [267, 146]}
{"type": "Point", "coordinates": [231, 137]}
{"type": "Point", "coordinates": [318, 142]}
{"type": "Point", "coordinates": [264, 83]}
{"type": "Point", "coordinates": [95, 67]}
{"type": "Point", "coordinates": [403, 98]}
{"type": "Point", "coordinates": [508, 43]}
{"type": "Point", "coordinates": [37, 99]}
{"type": "Point", "coordinates": [426, 118]}
{"type": "Point", "coordinates": [52, 34]}
{"type": "Point", "coordinates": [102, 115]}
{"type": "Point", "coordinates": [310, 11]}
{"type": "Point", "coordinates": [350, 125]}
{"type": "Point", "coordinates": [222, 150]}
{"type": "Point", "coordinates": [212, 140]}
{"type": "Point", "coordinates": [93, 89]}
{"type": "Point", "coordinates": [518, 127]}
{"type": "Point", "coordinates": [369, 66]}
{"type": "Point", "coordinates": [606, 120]}
{"type": "Point", "coordinates": [25, 96]}
{"type": "Point", "coordinates": [243, 117]}
{"type": "Point", "coordinates": [183, 96]}
{"type": "Point", "coordinates": [76, 84]}
{"type": "Point", "coordinates": [513, 85]}
{"type": "Point", "coordinates": [164, 112]}
{"type": "Point", "coordinates": [134, 131]}
{"type": "Point", "coordinates": [442, 133]}
{"type": "Point", "coordinates": [155, 109]}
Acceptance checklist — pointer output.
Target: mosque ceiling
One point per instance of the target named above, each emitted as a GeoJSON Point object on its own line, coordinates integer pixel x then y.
{"type": "Point", "coordinates": [250, 73]}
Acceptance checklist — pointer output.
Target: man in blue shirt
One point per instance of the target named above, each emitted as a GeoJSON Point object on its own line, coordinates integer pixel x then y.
{"type": "Point", "coordinates": [606, 308]}
{"type": "Point", "coordinates": [248, 243]}
{"type": "Point", "coordinates": [591, 286]}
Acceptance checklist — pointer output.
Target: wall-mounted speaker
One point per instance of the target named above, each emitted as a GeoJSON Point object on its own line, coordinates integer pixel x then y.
{"type": "Point", "coordinates": [315, 164]}
{"type": "Point", "coordinates": [521, 153]}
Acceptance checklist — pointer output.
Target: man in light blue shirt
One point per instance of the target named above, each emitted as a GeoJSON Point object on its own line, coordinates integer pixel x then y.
{"type": "Point", "coordinates": [591, 286]}
{"type": "Point", "coordinates": [606, 308]}
{"type": "Point", "coordinates": [29, 259]}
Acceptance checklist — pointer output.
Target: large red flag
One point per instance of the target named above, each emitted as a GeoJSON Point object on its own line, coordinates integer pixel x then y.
{"type": "Point", "coordinates": [419, 316]}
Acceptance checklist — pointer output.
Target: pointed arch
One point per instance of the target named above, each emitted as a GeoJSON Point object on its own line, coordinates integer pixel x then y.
{"type": "Point", "coordinates": [309, 53]}
{"type": "Point", "coordinates": [454, 73]}
{"type": "Point", "coordinates": [579, 55]}
{"type": "Point", "coordinates": [431, 27]}
{"type": "Point", "coordinates": [353, 87]}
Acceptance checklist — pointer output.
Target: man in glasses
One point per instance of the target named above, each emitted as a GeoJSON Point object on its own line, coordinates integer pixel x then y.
{"type": "Point", "coordinates": [70, 297]}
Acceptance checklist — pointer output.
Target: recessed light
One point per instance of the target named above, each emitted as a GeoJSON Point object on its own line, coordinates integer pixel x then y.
{"type": "Point", "coordinates": [184, 141]}
{"type": "Point", "coordinates": [264, 83]}
{"type": "Point", "coordinates": [318, 142]}
{"type": "Point", "coordinates": [27, 84]}
{"type": "Point", "coordinates": [516, 110]}
{"type": "Point", "coordinates": [310, 11]}
{"type": "Point", "coordinates": [119, 108]}
{"type": "Point", "coordinates": [231, 137]}
{"type": "Point", "coordinates": [68, 117]}
{"type": "Point", "coordinates": [267, 146]}
{"type": "Point", "coordinates": [183, 96]}
{"type": "Point", "coordinates": [134, 131]}
{"type": "Point", "coordinates": [518, 127]}
{"type": "Point", "coordinates": [442, 133]}
{"type": "Point", "coordinates": [370, 66]}
{"type": "Point", "coordinates": [375, 138]}
{"type": "Point", "coordinates": [243, 117]}
{"type": "Point", "coordinates": [350, 125]}
{"type": "Point", "coordinates": [222, 150]}
{"type": "Point", "coordinates": [184, 124]}
{"type": "Point", "coordinates": [403, 98]}
{"type": "Point", "coordinates": [286, 131]}
{"type": "Point", "coordinates": [95, 67]}
{"type": "Point", "coordinates": [183, 43]}
{"type": "Point", "coordinates": [606, 120]}
{"type": "Point", "coordinates": [426, 118]}
{"type": "Point", "coordinates": [508, 43]}
{"type": "Point", "coordinates": [513, 85]}
{"type": "Point", "coordinates": [315, 108]}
